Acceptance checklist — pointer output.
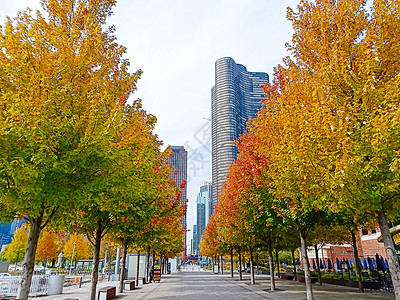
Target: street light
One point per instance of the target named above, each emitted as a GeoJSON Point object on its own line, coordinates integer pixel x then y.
{"type": "Point", "coordinates": [72, 259]}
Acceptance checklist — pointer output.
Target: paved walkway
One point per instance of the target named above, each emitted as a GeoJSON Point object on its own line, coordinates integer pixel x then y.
{"type": "Point", "coordinates": [205, 285]}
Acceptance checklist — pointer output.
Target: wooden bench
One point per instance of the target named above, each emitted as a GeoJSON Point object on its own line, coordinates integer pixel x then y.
{"type": "Point", "coordinates": [157, 275]}
{"type": "Point", "coordinates": [142, 280]}
{"type": "Point", "coordinates": [129, 285]}
{"type": "Point", "coordinates": [107, 293]}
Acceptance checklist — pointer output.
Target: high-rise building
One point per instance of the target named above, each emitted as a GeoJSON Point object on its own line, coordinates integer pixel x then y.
{"type": "Point", "coordinates": [7, 231]}
{"type": "Point", "coordinates": [195, 242]}
{"type": "Point", "coordinates": [236, 96]}
{"type": "Point", "coordinates": [178, 161]}
{"type": "Point", "coordinates": [204, 207]}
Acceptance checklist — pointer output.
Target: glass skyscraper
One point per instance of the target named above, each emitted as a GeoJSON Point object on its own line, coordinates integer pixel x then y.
{"type": "Point", "coordinates": [7, 231]}
{"type": "Point", "coordinates": [204, 205]}
{"type": "Point", "coordinates": [178, 161]}
{"type": "Point", "coordinates": [235, 97]}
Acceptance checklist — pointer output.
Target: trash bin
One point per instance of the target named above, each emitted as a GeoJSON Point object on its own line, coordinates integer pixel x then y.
{"type": "Point", "coordinates": [56, 284]}
{"type": "Point", "coordinates": [215, 269]}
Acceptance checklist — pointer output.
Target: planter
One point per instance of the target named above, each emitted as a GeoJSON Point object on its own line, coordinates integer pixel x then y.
{"type": "Point", "coordinates": [303, 279]}
{"type": "Point", "coordinates": [287, 276]}
{"type": "Point", "coordinates": [342, 282]}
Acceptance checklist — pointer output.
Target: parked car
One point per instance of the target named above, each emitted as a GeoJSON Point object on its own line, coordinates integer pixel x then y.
{"type": "Point", "coordinates": [4, 275]}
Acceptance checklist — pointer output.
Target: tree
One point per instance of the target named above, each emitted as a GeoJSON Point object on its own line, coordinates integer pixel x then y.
{"type": "Point", "coordinates": [335, 110]}
{"type": "Point", "coordinates": [63, 84]}
{"type": "Point", "coordinates": [81, 249]}
{"type": "Point", "coordinates": [48, 246]}
{"type": "Point", "coordinates": [15, 251]}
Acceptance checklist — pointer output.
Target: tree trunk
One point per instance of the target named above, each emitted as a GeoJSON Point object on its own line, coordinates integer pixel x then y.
{"type": "Point", "coordinates": [252, 279]}
{"type": "Point", "coordinates": [294, 266]}
{"type": "Point", "coordinates": [232, 262]}
{"type": "Point", "coordinates": [277, 263]}
{"type": "Point", "coordinates": [123, 266]}
{"type": "Point", "coordinates": [307, 274]}
{"type": "Point", "coordinates": [96, 255]}
{"type": "Point", "coordinates": [240, 264]}
{"type": "Point", "coordinates": [393, 262]}
{"type": "Point", "coordinates": [318, 266]}
{"type": "Point", "coordinates": [222, 265]}
{"type": "Point", "coordinates": [357, 262]}
{"type": "Point", "coordinates": [257, 261]}
{"type": "Point", "coordinates": [137, 268]}
{"type": "Point", "coordinates": [217, 260]}
{"type": "Point", "coordinates": [29, 261]}
{"type": "Point", "coordinates": [148, 264]}
{"type": "Point", "coordinates": [271, 266]}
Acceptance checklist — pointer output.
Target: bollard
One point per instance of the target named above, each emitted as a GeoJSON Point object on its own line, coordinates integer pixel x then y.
{"type": "Point", "coordinates": [80, 282]}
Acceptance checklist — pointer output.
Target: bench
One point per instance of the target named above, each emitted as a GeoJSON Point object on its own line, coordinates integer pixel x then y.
{"type": "Point", "coordinates": [129, 285]}
{"type": "Point", "coordinates": [141, 280]}
{"type": "Point", "coordinates": [107, 293]}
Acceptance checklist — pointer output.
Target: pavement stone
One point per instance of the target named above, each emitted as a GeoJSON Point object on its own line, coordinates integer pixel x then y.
{"type": "Point", "coordinates": [193, 284]}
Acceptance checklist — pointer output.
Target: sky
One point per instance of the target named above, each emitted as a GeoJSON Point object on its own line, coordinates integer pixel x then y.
{"type": "Point", "coordinates": [176, 43]}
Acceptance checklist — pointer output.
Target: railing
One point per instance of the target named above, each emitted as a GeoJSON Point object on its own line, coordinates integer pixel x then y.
{"type": "Point", "coordinates": [9, 285]}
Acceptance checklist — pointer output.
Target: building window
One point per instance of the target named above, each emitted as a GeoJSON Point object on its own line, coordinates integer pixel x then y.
{"type": "Point", "coordinates": [373, 231]}
{"type": "Point", "coordinates": [364, 231]}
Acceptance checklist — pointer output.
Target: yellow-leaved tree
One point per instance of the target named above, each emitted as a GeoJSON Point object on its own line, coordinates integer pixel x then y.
{"type": "Point", "coordinates": [64, 84]}
{"type": "Point", "coordinates": [15, 251]}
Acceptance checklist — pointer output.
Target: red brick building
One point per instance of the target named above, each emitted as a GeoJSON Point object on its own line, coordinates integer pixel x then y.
{"type": "Point", "coordinates": [367, 245]}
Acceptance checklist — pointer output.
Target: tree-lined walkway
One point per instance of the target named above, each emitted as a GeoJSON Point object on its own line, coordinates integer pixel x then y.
{"type": "Point", "coordinates": [205, 285]}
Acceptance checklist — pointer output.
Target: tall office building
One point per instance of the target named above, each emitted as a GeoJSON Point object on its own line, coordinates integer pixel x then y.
{"type": "Point", "coordinates": [236, 96]}
{"type": "Point", "coordinates": [178, 161]}
{"type": "Point", "coordinates": [7, 231]}
{"type": "Point", "coordinates": [204, 207]}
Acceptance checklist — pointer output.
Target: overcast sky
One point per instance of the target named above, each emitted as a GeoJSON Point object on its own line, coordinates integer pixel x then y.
{"type": "Point", "coordinates": [176, 44]}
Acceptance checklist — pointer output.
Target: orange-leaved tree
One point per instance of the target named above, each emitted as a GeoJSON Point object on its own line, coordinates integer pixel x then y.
{"type": "Point", "coordinates": [48, 246]}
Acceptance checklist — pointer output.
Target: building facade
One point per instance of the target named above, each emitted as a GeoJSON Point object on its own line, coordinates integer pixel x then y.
{"type": "Point", "coordinates": [178, 161]}
{"type": "Point", "coordinates": [204, 210]}
{"type": "Point", "coordinates": [235, 97]}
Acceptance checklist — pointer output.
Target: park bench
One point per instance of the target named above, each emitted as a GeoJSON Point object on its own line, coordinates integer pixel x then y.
{"type": "Point", "coordinates": [129, 285]}
{"type": "Point", "coordinates": [157, 275]}
{"type": "Point", "coordinates": [107, 293]}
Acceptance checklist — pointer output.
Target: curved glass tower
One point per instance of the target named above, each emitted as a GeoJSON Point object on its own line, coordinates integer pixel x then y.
{"type": "Point", "coordinates": [235, 97]}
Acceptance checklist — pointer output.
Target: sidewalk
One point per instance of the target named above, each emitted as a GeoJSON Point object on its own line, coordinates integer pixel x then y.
{"type": "Point", "coordinates": [293, 290]}
{"type": "Point", "coordinates": [205, 285]}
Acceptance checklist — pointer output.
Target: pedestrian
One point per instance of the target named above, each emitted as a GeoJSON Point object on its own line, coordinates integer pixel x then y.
{"type": "Point", "coordinates": [151, 273]}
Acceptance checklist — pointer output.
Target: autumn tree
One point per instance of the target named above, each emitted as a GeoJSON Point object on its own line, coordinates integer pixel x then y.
{"type": "Point", "coordinates": [48, 246]}
{"type": "Point", "coordinates": [334, 110]}
{"type": "Point", "coordinates": [15, 251]}
{"type": "Point", "coordinates": [63, 84]}
{"type": "Point", "coordinates": [81, 249]}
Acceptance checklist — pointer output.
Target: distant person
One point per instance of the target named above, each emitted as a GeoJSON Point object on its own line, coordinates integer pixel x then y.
{"type": "Point", "coordinates": [151, 273]}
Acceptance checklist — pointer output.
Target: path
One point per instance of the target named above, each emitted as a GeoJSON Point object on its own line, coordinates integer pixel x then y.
{"type": "Point", "coordinates": [201, 285]}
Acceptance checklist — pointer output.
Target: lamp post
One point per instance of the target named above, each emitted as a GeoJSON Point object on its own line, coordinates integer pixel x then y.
{"type": "Point", "coordinates": [72, 258]}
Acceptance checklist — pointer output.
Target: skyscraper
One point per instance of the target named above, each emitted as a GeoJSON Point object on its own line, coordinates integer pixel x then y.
{"type": "Point", "coordinates": [204, 208]}
{"type": "Point", "coordinates": [178, 161]}
{"type": "Point", "coordinates": [7, 231]}
{"type": "Point", "coordinates": [236, 96]}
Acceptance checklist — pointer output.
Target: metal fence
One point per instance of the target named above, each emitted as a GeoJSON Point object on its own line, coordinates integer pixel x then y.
{"type": "Point", "coordinates": [9, 285]}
